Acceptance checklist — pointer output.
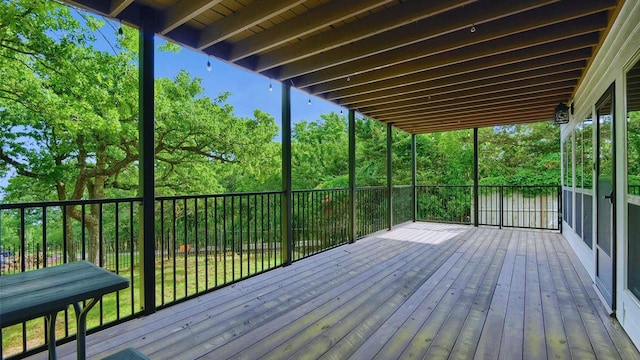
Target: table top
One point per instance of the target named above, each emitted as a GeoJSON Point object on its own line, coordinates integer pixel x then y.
{"type": "Point", "coordinates": [36, 293]}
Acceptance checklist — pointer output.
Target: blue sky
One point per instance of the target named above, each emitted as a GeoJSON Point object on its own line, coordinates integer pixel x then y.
{"type": "Point", "coordinates": [249, 91]}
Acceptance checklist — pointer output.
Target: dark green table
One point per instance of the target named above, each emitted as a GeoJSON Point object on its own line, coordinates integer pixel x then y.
{"type": "Point", "coordinates": [47, 291]}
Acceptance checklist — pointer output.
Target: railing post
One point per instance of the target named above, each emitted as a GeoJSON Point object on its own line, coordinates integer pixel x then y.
{"type": "Point", "coordinates": [286, 203]}
{"type": "Point", "coordinates": [414, 170]}
{"type": "Point", "coordinates": [501, 207]}
{"type": "Point", "coordinates": [147, 159]}
{"type": "Point", "coordinates": [476, 206]}
{"type": "Point", "coordinates": [352, 176]}
{"type": "Point", "coordinates": [389, 175]}
{"type": "Point", "coordinates": [560, 204]}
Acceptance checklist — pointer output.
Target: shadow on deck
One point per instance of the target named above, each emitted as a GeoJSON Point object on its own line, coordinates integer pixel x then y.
{"type": "Point", "coordinates": [420, 291]}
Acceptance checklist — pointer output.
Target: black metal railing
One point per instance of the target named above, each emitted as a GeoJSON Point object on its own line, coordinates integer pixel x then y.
{"type": "Point", "coordinates": [320, 220]}
{"type": "Point", "coordinates": [525, 207]}
{"type": "Point", "coordinates": [445, 203]}
{"type": "Point", "coordinates": [208, 241]}
{"type": "Point", "coordinates": [402, 198]}
{"type": "Point", "coordinates": [371, 210]}
{"type": "Point", "coordinates": [634, 189]}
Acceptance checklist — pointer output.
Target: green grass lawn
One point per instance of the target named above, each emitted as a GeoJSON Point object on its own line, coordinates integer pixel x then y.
{"type": "Point", "coordinates": [175, 279]}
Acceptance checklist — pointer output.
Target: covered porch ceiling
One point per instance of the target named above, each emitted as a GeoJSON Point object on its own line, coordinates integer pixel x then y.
{"type": "Point", "coordinates": [424, 66]}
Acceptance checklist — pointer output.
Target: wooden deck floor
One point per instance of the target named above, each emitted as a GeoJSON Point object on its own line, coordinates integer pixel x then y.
{"type": "Point", "coordinates": [421, 291]}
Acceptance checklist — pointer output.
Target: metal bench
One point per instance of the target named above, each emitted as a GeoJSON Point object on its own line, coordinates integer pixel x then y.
{"type": "Point", "coordinates": [47, 291]}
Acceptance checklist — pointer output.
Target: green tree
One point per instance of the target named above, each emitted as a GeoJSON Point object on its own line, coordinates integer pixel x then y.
{"type": "Point", "coordinates": [69, 117]}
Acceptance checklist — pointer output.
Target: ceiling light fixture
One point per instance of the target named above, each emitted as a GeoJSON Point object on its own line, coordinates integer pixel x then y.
{"type": "Point", "coordinates": [473, 28]}
{"type": "Point", "coordinates": [208, 65]}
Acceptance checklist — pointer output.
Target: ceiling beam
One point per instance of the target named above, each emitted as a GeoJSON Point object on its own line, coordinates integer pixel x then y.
{"type": "Point", "coordinates": [183, 11]}
{"type": "Point", "coordinates": [548, 102]}
{"type": "Point", "coordinates": [492, 19]}
{"type": "Point", "coordinates": [118, 6]}
{"type": "Point", "coordinates": [396, 16]}
{"type": "Point", "coordinates": [358, 86]}
{"type": "Point", "coordinates": [457, 100]}
{"type": "Point", "coordinates": [486, 90]}
{"type": "Point", "coordinates": [453, 106]}
{"type": "Point", "coordinates": [449, 126]}
{"type": "Point", "coordinates": [306, 23]}
{"type": "Point", "coordinates": [477, 116]}
{"type": "Point", "coordinates": [397, 63]}
{"type": "Point", "coordinates": [459, 82]}
{"type": "Point", "coordinates": [424, 114]}
{"type": "Point", "coordinates": [457, 73]}
{"type": "Point", "coordinates": [257, 12]}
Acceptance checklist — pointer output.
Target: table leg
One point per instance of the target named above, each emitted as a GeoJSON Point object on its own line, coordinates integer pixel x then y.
{"type": "Point", "coordinates": [81, 323]}
{"type": "Point", "coordinates": [51, 329]}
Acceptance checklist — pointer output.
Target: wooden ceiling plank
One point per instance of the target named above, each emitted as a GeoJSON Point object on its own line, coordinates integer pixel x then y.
{"type": "Point", "coordinates": [468, 70]}
{"type": "Point", "coordinates": [301, 25]}
{"type": "Point", "coordinates": [486, 90]}
{"type": "Point", "coordinates": [396, 65]}
{"type": "Point", "coordinates": [546, 103]}
{"type": "Point", "coordinates": [118, 6]}
{"type": "Point", "coordinates": [540, 113]}
{"type": "Point", "coordinates": [574, 49]}
{"type": "Point", "coordinates": [499, 20]}
{"type": "Point", "coordinates": [485, 117]}
{"type": "Point", "coordinates": [470, 125]}
{"type": "Point", "coordinates": [452, 106]}
{"type": "Point", "coordinates": [459, 82]}
{"type": "Point", "coordinates": [455, 101]}
{"type": "Point", "coordinates": [252, 15]}
{"type": "Point", "coordinates": [556, 47]}
{"type": "Point", "coordinates": [410, 34]}
{"type": "Point", "coordinates": [183, 11]}
{"type": "Point", "coordinates": [424, 110]}
{"type": "Point", "coordinates": [399, 15]}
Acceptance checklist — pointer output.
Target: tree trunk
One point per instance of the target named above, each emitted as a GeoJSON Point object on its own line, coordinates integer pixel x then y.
{"type": "Point", "coordinates": [72, 248]}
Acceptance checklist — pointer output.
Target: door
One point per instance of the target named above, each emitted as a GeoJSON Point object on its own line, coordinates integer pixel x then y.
{"type": "Point", "coordinates": [605, 190]}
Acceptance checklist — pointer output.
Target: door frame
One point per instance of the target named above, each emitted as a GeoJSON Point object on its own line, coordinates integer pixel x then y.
{"type": "Point", "coordinates": [608, 95]}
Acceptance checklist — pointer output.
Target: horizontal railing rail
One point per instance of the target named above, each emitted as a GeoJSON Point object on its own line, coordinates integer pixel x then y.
{"type": "Point", "coordinates": [204, 242]}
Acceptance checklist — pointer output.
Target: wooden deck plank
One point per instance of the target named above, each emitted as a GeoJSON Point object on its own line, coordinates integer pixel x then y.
{"type": "Point", "coordinates": [554, 330]}
{"type": "Point", "coordinates": [622, 341]}
{"type": "Point", "coordinates": [229, 303]}
{"type": "Point", "coordinates": [491, 336]}
{"type": "Point", "coordinates": [329, 329]}
{"type": "Point", "coordinates": [534, 335]}
{"type": "Point", "coordinates": [469, 331]}
{"type": "Point", "coordinates": [235, 322]}
{"type": "Point", "coordinates": [292, 322]}
{"type": "Point", "coordinates": [600, 340]}
{"type": "Point", "coordinates": [408, 330]}
{"type": "Point", "coordinates": [513, 332]}
{"type": "Point", "coordinates": [458, 292]}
